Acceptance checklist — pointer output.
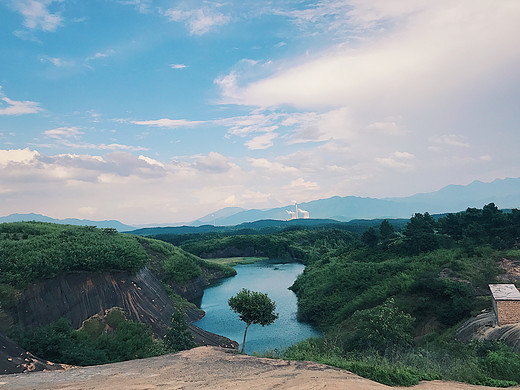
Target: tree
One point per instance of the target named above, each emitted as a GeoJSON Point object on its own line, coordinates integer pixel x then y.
{"type": "Point", "coordinates": [370, 237]}
{"type": "Point", "coordinates": [386, 230]}
{"type": "Point", "coordinates": [253, 308]}
{"type": "Point", "coordinates": [420, 234]}
{"type": "Point", "coordinates": [178, 337]}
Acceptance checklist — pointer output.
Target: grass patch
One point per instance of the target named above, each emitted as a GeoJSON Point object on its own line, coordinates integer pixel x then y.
{"type": "Point", "coordinates": [479, 363]}
{"type": "Point", "coordinates": [232, 261]}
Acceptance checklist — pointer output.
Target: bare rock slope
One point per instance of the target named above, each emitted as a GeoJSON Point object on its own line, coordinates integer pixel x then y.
{"type": "Point", "coordinates": [80, 295]}
{"type": "Point", "coordinates": [14, 359]}
{"type": "Point", "coordinates": [206, 368]}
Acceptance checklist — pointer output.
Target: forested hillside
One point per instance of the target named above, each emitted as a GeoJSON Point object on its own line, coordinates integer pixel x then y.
{"type": "Point", "coordinates": [75, 271]}
{"type": "Point", "coordinates": [390, 307]}
{"type": "Point", "coordinates": [389, 302]}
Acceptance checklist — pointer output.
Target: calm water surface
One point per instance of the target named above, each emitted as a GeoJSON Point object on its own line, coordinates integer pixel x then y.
{"type": "Point", "coordinates": [269, 277]}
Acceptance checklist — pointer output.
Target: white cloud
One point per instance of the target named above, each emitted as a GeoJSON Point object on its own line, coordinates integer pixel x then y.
{"type": "Point", "coordinates": [151, 161]}
{"type": "Point", "coordinates": [36, 14]}
{"type": "Point", "coordinates": [398, 160]}
{"type": "Point", "coordinates": [17, 156]}
{"type": "Point", "coordinates": [63, 132]}
{"type": "Point", "coordinates": [263, 141]}
{"type": "Point", "coordinates": [198, 21]}
{"type": "Point", "coordinates": [14, 107]}
{"type": "Point", "coordinates": [213, 163]}
{"type": "Point", "coordinates": [428, 49]}
{"type": "Point", "coordinates": [256, 122]}
{"type": "Point", "coordinates": [113, 146]}
{"type": "Point", "coordinates": [228, 87]}
{"type": "Point", "coordinates": [168, 123]}
{"type": "Point", "coordinates": [178, 66]}
{"type": "Point", "coordinates": [389, 127]}
{"type": "Point", "coordinates": [300, 183]}
{"type": "Point", "coordinates": [56, 61]}
{"type": "Point", "coordinates": [101, 54]}
{"type": "Point", "coordinates": [142, 6]}
{"type": "Point", "coordinates": [449, 139]}
{"type": "Point", "coordinates": [272, 166]}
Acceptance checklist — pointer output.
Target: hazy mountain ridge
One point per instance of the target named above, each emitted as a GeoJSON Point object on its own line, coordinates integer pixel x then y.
{"type": "Point", "coordinates": [505, 193]}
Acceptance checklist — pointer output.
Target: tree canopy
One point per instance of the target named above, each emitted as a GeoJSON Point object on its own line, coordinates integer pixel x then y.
{"type": "Point", "coordinates": [253, 308]}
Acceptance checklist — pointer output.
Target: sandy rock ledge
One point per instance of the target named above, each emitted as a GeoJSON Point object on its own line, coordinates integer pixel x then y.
{"type": "Point", "coordinates": [205, 368]}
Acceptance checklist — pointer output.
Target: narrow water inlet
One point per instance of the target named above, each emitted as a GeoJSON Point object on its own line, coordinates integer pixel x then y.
{"type": "Point", "coordinates": [272, 277]}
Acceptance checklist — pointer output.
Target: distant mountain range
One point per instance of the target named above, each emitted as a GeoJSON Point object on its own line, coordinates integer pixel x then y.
{"type": "Point", "coordinates": [271, 226]}
{"type": "Point", "coordinates": [505, 193]}
{"type": "Point", "coordinates": [68, 221]}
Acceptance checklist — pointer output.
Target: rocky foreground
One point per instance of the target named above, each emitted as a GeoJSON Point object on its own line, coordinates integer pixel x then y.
{"type": "Point", "coordinates": [205, 368]}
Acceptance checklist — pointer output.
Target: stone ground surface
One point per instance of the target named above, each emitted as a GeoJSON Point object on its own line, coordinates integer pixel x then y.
{"type": "Point", "coordinates": [205, 368]}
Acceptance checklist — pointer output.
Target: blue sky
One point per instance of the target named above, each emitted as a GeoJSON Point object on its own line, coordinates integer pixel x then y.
{"type": "Point", "coordinates": [163, 111]}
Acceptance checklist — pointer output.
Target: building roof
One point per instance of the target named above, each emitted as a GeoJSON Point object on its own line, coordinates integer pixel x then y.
{"type": "Point", "coordinates": [504, 292]}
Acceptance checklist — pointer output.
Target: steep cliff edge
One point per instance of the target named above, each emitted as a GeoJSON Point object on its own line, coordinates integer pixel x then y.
{"type": "Point", "coordinates": [80, 295]}
{"type": "Point", "coordinates": [14, 359]}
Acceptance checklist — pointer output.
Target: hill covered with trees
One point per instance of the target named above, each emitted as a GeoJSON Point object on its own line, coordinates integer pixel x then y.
{"type": "Point", "coordinates": [125, 293]}
{"type": "Point", "coordinates": [389, 300]}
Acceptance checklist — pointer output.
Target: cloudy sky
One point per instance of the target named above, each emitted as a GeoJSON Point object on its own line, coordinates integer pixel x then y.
{"type": "Point", "coordinates": [157, 111]}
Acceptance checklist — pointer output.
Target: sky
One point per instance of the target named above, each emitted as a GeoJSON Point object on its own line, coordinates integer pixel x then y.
{"type": "Point", "coordinates": [159, 111]}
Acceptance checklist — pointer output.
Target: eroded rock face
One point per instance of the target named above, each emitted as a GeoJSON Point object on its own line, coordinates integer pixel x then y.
{"type": "Point", "coordinates": [79, 296]}
{"type": "Point", "coordinates": [14, 359]}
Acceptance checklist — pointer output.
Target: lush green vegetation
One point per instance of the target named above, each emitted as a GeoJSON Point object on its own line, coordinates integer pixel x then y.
{"type": "Point", "coordinates": [103, 339]}
{"type": "Point", "coordinates": [296, 243]}
{"type": "Point", "coordinates": [389, 299]}
{"type": "Point", "coordinates": [480, 363]}
{"type": "Point", "coordinates": [30, 251]}
{"type": "Point", "coordinates": [179, 234]}
{"type": "Point", "coordinates": [390, 306]}
{"type": "Point", "coordinates": [232, 261]}
{"type": "Point", "coordinates": [34, 250]}
{"type": "Point", "coordinates": [178, 266]}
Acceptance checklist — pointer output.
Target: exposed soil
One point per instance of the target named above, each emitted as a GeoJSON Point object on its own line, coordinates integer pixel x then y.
{"type": "Point", "coordinates": [206, 368]}
{"type": "Point", "coordinates": [512, 270]}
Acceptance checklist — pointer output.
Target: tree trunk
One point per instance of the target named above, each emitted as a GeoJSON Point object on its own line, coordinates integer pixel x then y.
{"type": "Point", "coordinates": [244, 342]}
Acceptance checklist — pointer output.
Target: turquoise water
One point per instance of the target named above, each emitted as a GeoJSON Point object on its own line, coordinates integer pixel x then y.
{"type": "Point", "coordinates": [269, 277]}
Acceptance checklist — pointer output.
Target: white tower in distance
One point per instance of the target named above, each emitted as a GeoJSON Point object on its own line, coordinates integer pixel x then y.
{"type": "Point", "coordinates": [297, 213]}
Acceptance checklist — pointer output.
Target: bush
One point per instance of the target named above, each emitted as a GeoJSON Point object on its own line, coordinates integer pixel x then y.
{"type": "Point", "coordinates": [381, 328]}
{"type": "Point", "coordinates": [181, 269]}
{"type": "Point", "coordinates": [50, 249]}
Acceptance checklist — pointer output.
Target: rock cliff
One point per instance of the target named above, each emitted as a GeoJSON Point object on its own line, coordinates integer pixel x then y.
{"type": "Point", "coordinates": [14, 359]}
{"type": "Point", "coordinates": [80, 295]}
{"type": "Point", "coordinates": [482, 327]}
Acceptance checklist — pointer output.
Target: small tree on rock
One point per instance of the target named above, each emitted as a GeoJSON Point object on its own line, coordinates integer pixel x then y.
{"type": "Point", "coordinates": [178, 337]}
{"type": "Point", "coordinates": [253, 308]}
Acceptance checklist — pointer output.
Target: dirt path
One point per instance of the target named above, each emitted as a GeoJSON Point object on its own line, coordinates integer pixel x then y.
{"type": "Point", "coordinates": [205, 368]}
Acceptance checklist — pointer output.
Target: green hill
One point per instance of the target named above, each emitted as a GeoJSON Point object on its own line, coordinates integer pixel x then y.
{"type": "Point", "coordinates": [55, 279]}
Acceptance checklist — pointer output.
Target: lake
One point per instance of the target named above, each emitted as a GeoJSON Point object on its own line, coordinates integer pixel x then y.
{"type": "Point", "coordinates": [271, 277]}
